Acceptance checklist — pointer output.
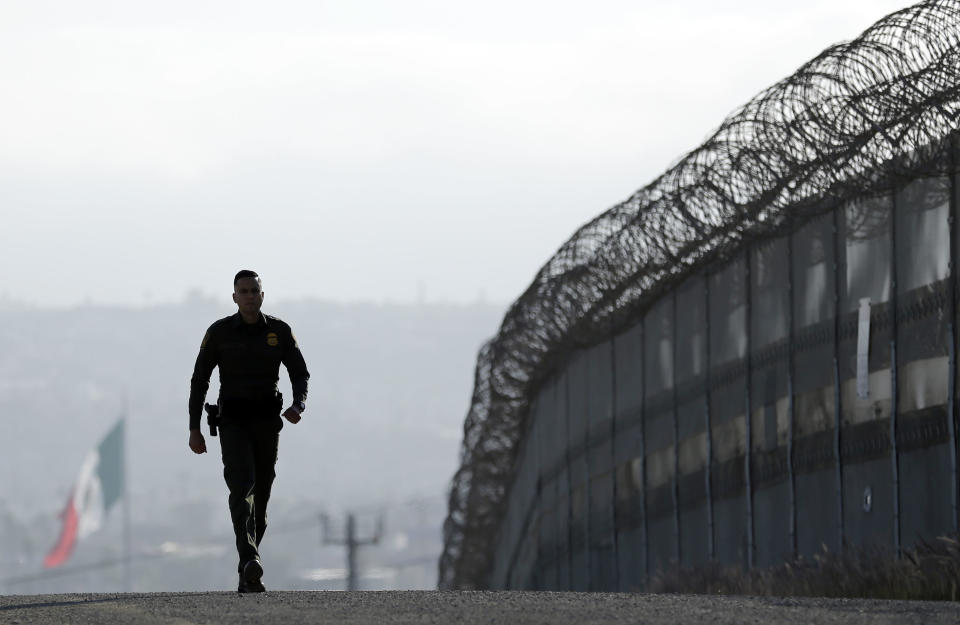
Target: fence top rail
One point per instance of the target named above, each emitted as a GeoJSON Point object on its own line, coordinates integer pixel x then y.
{"type": "Point", "coordinates": [860, 119]}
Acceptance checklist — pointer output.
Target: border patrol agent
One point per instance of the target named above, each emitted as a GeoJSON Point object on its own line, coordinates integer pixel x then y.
{"type": "Point", "coordinates": [248, 347]}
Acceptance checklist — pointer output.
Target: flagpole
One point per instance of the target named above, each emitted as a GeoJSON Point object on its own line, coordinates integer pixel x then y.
{"type": "Point", "coordinates": [127, 582]}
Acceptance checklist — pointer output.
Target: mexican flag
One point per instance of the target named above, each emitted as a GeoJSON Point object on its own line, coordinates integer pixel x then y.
{"type": "Point", "coordinates": [99, 485]}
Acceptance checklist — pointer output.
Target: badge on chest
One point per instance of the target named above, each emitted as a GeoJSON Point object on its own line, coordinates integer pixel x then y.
{"type": "Point", "coordinates": [272, 339]}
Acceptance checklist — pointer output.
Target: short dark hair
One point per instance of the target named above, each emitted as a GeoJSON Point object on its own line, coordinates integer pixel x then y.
{"type": "Point", "coordinates": [245, 273]}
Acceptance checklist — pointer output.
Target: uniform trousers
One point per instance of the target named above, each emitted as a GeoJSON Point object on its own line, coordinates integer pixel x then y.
{"type": "Point", "coordinates": [248, 447]}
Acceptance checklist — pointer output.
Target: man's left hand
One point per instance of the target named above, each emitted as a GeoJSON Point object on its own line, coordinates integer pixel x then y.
{"type": "Point", "coordinates": [292, 414]}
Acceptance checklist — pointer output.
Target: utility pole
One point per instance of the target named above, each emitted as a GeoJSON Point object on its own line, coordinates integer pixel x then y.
{"type": "Point", "coordinates": [351, 542]}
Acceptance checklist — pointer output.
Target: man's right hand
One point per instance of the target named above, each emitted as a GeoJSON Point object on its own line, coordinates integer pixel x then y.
{"type": "Point", "coordinates": [197, 444]}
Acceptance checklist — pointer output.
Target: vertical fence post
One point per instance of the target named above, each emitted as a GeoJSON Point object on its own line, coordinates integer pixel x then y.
{"type": "Point", "coordinates": [791, 475]}
{"type": "Point", "coordinates": [644, 534]}
{"type": "Point", "coordinates": [951, 328]}
{"type": "Point", "coordinates": [566, 410]}
{"type": "Point", "coordinates": [747, 460]}
{"type": "Point", "coordinates": [613, 459]}
{"type": "Point", "coordinates": [709, 425]}
{"type": "Point", "coordinates": [838, 213]}
{"type": "Point", "coordinates": [894, 456]}
{"type": "Point", "coordinates": [589, 478]}
{"type": "Point", "coordinates": [557, 553]}
{"type": "Point", "coordinates": [676, 430]}
{"type": "Point", "coordinates": [526, 445]}
{"type": "Point", "coordinates": [537, 514]}
{"type": "Point", "coordinates": [951, 405]}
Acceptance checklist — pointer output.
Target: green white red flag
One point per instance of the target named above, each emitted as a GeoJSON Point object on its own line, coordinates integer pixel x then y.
{"type": "Point", "coordinates": [98, 487]}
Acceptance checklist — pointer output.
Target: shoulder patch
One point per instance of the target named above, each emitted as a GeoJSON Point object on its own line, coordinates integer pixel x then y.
{"type": "Point", "coordinates": [206, 338]}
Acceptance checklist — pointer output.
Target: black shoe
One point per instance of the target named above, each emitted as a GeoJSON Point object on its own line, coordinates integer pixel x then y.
{"type": "Point", "coordinates": [250, 577]}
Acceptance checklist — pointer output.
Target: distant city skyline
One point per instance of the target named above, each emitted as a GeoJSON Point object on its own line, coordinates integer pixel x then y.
{"type": "Point", "coordinates": [365, 152]}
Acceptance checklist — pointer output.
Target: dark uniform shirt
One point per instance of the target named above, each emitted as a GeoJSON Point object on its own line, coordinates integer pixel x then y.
{"type": "Point", "coordinates": [249, 357]}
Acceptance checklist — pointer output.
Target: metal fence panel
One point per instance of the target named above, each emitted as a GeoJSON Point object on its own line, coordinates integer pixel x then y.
{"type": "Point", "coordinates": [530, 501]}
{"type": "Point", "coordinates": [710, 427]}
{"type": "Point", "coordinates": [600, 389]}
{"type": "Point", "coordinates": [868, 501]}
{"type": "Point", "coordinates": [659, 434]}
{"type": "Point", "coordinates": [658, 349]}
{"type": "Point", "coordinates": [516, 546]}
{"type": "Point", "coordinates": [692, 495]}
{"type": "Point", "coordinates": [814, 433]}
{"type": "Point", "coordinates": [603, 561]}
{"type": "Point", "coordinates": [628, 372]}
{"type": "Point", "coordinates": [555, 485]}
{"type": "Point", "coordinates": [769, 293]}
{"type": "Point", "coordinates": [562, 530]}
{"type": "Point", "coordinates": [866, 251]}
{"type": "Point", "coordinates": [728, 313]}
{"type": "Point", "coordinates": [564, 502]}
{"type": "Point", "coordinates": [549, 454]}
{"type": "Point", "coordinates": [628, 369]}
{"type": "Point", "coordinates": [603, 572]}
{"type": "Point", "coordinates": [694, 528]}
{"type": "Point", "coordinates": [814, 287]}
{"type": "Point", "coordinates": [771, 477]}
{"type": "Point", "coordinates": [691, 415]}
{"type": "Point", "coordinates": [630, 524]}
{"type": "Point", "coordinates": [553, 468]}
{"type": "Point", "coordinates": [579, 410]}
{"type": "Point", "coordinates": [813, 272]}
{"type": "Point", "coordinates": [629, 458]}
{"type": "Point", "coordinates": [923, 289]}
{"type": "Point", "coordinates": [772, 523]}
{"type": "Point", "coordinates": [727, 310]}
{"type": "Point", "coordinates": [925, 512]}
{"type": "Point", "coordinates": [547, 545]}
{"type": "Point", "coordinates": [923, 242]}
{"type": "Point", "coordinates": [730, 530]}
{"type": "Point", "coordinates": [504, 545]}
{"type": "Point", "coordinates": [923, 339]}
{"type": "Point", "coordinates": [869, 493]}
{"type": "Point", "coordinates": [817, 514]}
{"type": "Point", "coordinates": [691, 349]}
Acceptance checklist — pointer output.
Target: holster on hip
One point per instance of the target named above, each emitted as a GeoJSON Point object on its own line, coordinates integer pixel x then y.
{"type": "Point", "coordinates": [213, 417]}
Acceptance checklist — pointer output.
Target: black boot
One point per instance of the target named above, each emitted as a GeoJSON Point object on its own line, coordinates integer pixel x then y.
{"type": "Point", "coordinates": [250, 577]}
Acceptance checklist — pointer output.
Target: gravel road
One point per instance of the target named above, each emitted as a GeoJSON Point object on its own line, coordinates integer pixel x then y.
{"type": "Point", "coordinates": [458, 608]}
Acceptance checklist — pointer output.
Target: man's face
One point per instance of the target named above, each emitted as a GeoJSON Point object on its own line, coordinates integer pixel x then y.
{"type": "Point", "coordinates": [247, 295]}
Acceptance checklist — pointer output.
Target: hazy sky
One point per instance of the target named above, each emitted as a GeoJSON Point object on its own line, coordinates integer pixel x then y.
{"type": "Point", "coordinates": [365, 150]}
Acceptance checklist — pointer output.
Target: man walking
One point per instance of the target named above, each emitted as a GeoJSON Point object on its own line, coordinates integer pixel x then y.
{"type": "Point", "coordinates": [248, 347]}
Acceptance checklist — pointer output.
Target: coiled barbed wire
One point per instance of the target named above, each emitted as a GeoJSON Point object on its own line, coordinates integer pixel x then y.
{"type": "Point", "coordinates": [858, 120]}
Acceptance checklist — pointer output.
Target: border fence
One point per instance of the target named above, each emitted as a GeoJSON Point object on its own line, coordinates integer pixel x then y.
{"type": "Point", "coordinates": [750, 358]}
